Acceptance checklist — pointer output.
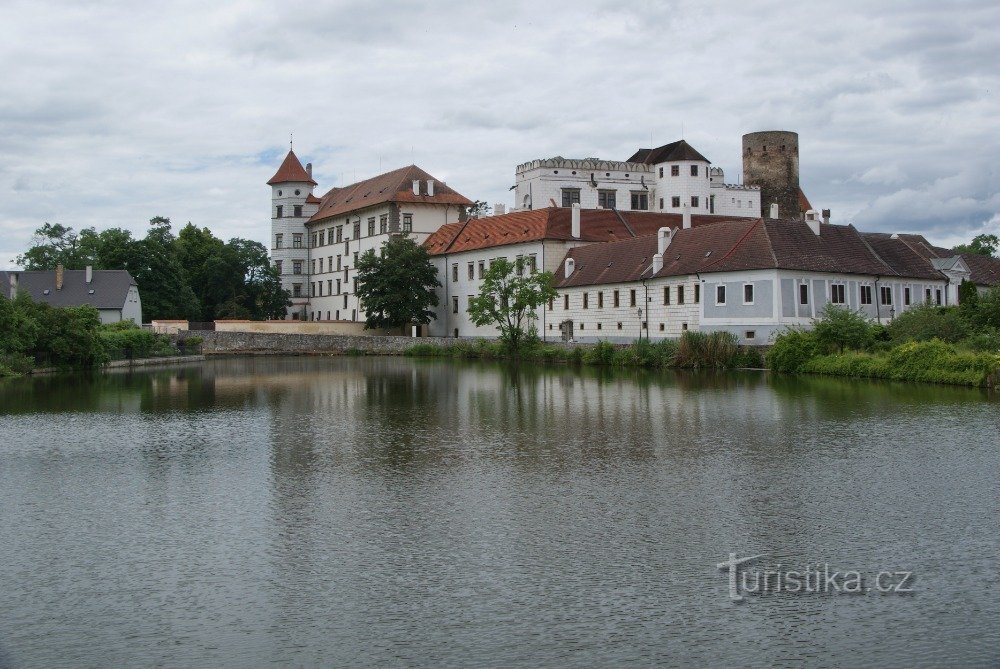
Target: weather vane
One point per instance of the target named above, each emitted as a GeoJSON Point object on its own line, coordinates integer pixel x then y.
{"type": "Point", "coordinates": [291, 138]}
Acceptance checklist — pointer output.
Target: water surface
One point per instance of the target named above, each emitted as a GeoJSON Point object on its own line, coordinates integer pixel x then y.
{"type": "Point", "coordinates": [393, 512]}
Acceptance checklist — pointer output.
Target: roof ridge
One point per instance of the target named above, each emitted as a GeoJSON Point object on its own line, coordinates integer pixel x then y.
{"type": "Point", "coordinates": [624, 222]}
{"type": "Point", "coordinates": [872, 250]}
{"type": "Point", "coordinates": [770, 246]}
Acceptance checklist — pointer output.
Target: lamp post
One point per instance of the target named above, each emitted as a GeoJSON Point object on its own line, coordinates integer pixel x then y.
{"type": "Point", "coordinates": [639, 310]}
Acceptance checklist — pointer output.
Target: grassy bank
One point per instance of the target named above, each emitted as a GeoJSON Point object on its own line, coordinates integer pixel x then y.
{"type": "Point", "coordinates": [928, 344]}
{"type": "Point", "coordinates": [695, 350]}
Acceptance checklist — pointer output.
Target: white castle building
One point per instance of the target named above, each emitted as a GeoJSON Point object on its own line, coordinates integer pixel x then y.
{"type": "Point", "coordinates": [669, 179]}
{"type": "Point", "coordinates": [316, 241]}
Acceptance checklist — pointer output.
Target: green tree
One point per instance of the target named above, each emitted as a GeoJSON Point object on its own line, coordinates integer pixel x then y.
{"type": "Point", "coordinates": [841, 328]}
{"type": "Point", "coordinates": [509, 297]}
{"type": "Point", "coordinates": [479, 209]}
{"type": "Point", "coordinates": [262, 296]}
{"type": "Point", "coordinates": [984, 245]}
{"type": "Point", "coordinates": [397, 286]}
{"type": "Point", "coordinates": [53, 245]}
{"type": "Point", "coordinates": [163, 283]}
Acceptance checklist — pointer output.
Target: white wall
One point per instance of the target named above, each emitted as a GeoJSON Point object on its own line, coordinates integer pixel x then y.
{"type": "Point", "coordinates": [288, 225]}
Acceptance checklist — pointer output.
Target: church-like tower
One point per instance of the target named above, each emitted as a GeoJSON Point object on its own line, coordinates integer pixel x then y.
{"type": "Point", "coordinates": [292, 204]}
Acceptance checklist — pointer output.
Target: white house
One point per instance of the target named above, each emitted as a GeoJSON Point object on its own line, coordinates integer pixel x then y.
{"type": "Point", "coordinates": [668, 179]}
{"type": "Point", "coordinates": [316, 241]}
{"type": "Point", "coordinates": [114, 293]}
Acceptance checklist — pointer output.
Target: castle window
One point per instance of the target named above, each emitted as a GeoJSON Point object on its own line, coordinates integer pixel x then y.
{"type": "Point", "coordinates": [631, 297]}
{"type": "Point", "coordinates": [297, 210]}
{"type": "Point", "coordinates": [661, 172]}
{"type": "Point", "coordinates": [566, 302]}
{"type": "Point", "coordinates": [322, 238]}
{"type": "Point", "coordinates": [694, 170]}
{"type": "Point", "coordinates": [748, 293]}
{"type": "Point", "coordinates": [357, 228]}
{"type": "Point", "coordinates": [280, 209]}
{"type": "Point", "coordinates": [697, 293]}
{"type": "Point", "coordinates": [570, 196]}
{"type": "Point", "coordinates": [586, 300]}
{"type": "Point", "coordinates": [906, 296]}
{"type": "Point", "coordinates": [296, 267]}
{"type": "Point", "coordinates": [675, 201]}
{"type": "Point", "coordinates": [803, 293]}
{"type": "Point", "coordinates": [837, 293]}
{"type": "Point", "coordinates": [340, 233]}
{"type": "Point", "coordinates": [454, 305]}
{"type": "Point", "coordinates": [296, 240]}
{"type": "Point", "coordinates": [680, 294]}
{"type": "Point", "coordinates": [298, 192]}
{"type": "Point", "coordinates": [296, 290]}
{"type": "Point", "coordinates": [694, 201]}
{"type": "Point", "coordinates": [279, 240]}
{"type": "Point", "coordinates": [885, 295]}
{"type": "Point", "coordinates": [720, 295]}
{"type": "Point", "coordinates": [472, 271]}
{"type": "Point", "coordinates": [371, 226]}
{"type": "Point", "coordinates": [666, 294]}
{"type": "Point", "coordinates": [640, 201]}
{"type": "Point", "coordinates": [616, 300]}
{"type": "Point", "coordinates": [600, 299]}
{"type": "Point", "coordinates": [482, 268]}
{"type": "Point", "coordinates": [866, 294]}
{"type": "Point", "coordinates": [277, 266]}
{"type": "Point", "coordinates": [407, 222]}
{"type": "Point", "coordinates": [383, 223]}
{"type": "Point", "coordinates": [606, 199]}
{"type": "Point", "coordinates": [454, 272]}
{"type": "Point", "coordinates": [675, 170]}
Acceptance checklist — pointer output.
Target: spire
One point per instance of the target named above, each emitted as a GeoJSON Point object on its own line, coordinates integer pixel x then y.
{"type": "Point", "coordinates": [291, 170]}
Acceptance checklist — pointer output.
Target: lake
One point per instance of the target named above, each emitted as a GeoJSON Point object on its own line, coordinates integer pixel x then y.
{"type": "Point", "coordinates": [378, 512]}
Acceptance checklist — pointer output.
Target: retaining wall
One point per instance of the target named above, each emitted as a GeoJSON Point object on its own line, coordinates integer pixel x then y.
{"type": "Point", "coordinates": [269, 342]}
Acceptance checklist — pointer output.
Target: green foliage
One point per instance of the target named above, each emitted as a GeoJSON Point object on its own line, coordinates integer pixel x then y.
{"type": "Point", "coordinates": [932, 361]}
{"type": "Point", "coordinates": [698, 350]}
{"type": "Point", "coordinates": [15, 364]}
{"type": "Point", "coordinates": [792, 349]}
{"type": "Point", "coordinates": [192, 276]}
{"type": "Point", "coordinates": [987, 313]}
{"type": "Point", "coordinates": [127, 340]}
{"type": "Point", "coordinates": [986, 340]}
{"type": "Point", "coordinates": [968, 296]}
{"type": "Point", "coordinates": [603, 353]}
{"type": "Point", "coordinates": [509, 297]}
{"type": "Point", "coordinates": [68, 336]}
{"type": "Point", "coordinates": [928, 321]}
{"type": "Point", "coordinates": [748, 357]}
{"type": "Point", "coordinates": [984, 245]}
{"type": "Point", "coordinates": [840, 328]}
{"type": "Point", "coordinates": [397, 286]}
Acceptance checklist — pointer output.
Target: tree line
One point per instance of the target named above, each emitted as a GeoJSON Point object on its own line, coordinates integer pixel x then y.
{"type": "Point", "coordinates": [192, 275]}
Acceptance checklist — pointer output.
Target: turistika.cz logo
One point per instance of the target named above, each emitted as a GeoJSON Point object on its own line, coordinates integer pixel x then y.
{"type": "Point", "coordinates": [818, 579]}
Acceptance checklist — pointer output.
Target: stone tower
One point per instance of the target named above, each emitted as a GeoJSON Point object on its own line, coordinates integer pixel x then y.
{"type": "Point", "coordinates": [771, 161]}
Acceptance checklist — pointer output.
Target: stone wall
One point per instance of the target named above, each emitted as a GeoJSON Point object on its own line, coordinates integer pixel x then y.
{"type": "Point", "coordinates": [265, 342]}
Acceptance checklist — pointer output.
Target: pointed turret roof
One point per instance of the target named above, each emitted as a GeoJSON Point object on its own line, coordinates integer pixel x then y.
{"type": "Point", "coordinates": [291, 170]}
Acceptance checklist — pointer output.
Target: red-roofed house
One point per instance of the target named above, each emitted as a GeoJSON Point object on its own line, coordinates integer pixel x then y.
{"type": "Point", "coordinates": [316, 241]}
{"type": "Point", "coordinates": [463, 251]}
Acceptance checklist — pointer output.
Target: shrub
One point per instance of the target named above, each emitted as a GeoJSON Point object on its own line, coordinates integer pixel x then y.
{"type": "Point", "coordinates": [748, 357]}
{"type": "Point", "coordinates": [987, 340]}
{"type": "Point", "coordinates": [841, 328]}
{"type": "Point", "coordinates": [126, 339]}
{"type": "Point", "coordinates": [15, 364]}
{"type": "Point", "coordinates": [987, 313]}
{"type": "Point", "coordinates": [700, 349]}
{"type": "Point", "coordinates": [792, 349]}
{"type": "Point", "coordinates": [603, 353]}
{"type": "Point", "coordinates": [926, 322]}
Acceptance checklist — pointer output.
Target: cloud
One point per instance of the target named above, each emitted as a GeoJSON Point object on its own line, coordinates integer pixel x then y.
{"type": "Point", "coordinates": [114, 112]}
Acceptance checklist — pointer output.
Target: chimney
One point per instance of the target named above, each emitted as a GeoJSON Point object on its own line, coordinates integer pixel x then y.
{"type": "Point", "coordinates": [812, 221]}
{"type": "Point", "coordinates": [657, 263]}
{"type": "Point", "coordinates": [499, 209]}
{"type": "Point", "coordinates": [309, 169]}
{"type": "Point", "coordinates": [570, 266]}
{"type": "Point", "coordinates": [575, 221]}
{"type": "Point", "coordinates": [13, 285]}
{"type": "Point", "coordinates": [826, 216]}
{"type": "Point", "coordinates": [663, 237]}
{"type": "Point", "coordinates": [416, 186]}
{"type": "Point", "coordinates": [59, 277]}
{"type": "Point", "coordinates": [774, 210]}
{"type": "Point", "coordinates": [90, 273]}
{"type": "Point", "coordinates": [686, 217]}
{"type": "Point", "coordinates": [430, 187]}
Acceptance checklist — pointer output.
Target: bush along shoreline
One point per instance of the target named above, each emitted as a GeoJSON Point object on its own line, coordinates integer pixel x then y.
{"type": "Point", "coordinates": [694, 350]}
{"type": "Point", "coordinates": [34, 335]}
{"type": "Point", "coordinates": [929, 344]}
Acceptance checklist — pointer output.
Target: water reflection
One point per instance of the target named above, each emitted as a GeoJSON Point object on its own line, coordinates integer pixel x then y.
{"type": "Point", "coordinates": [378, 511]}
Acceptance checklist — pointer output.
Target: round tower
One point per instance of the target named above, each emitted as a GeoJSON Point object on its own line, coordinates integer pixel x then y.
{"type": "Point", "coordinates": [771, 161]}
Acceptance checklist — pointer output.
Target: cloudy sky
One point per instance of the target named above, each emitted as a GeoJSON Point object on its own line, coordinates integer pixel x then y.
{"type": "Point", "coordinates": [114, 112]}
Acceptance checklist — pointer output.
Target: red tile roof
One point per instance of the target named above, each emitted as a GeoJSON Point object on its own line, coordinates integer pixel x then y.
{"type": "Point", "coordinates": [394, 186]}
{"type": "Point", "coordinates": [596, 225]}
{"type": "Point", "coordinates": [984, 271]}
{"type": "Point", "coordinates": [291, 170]}
{"type": "Point", "coordinates": [804, 204]}
{"type": "Point", "coordinates": [738, 245]}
